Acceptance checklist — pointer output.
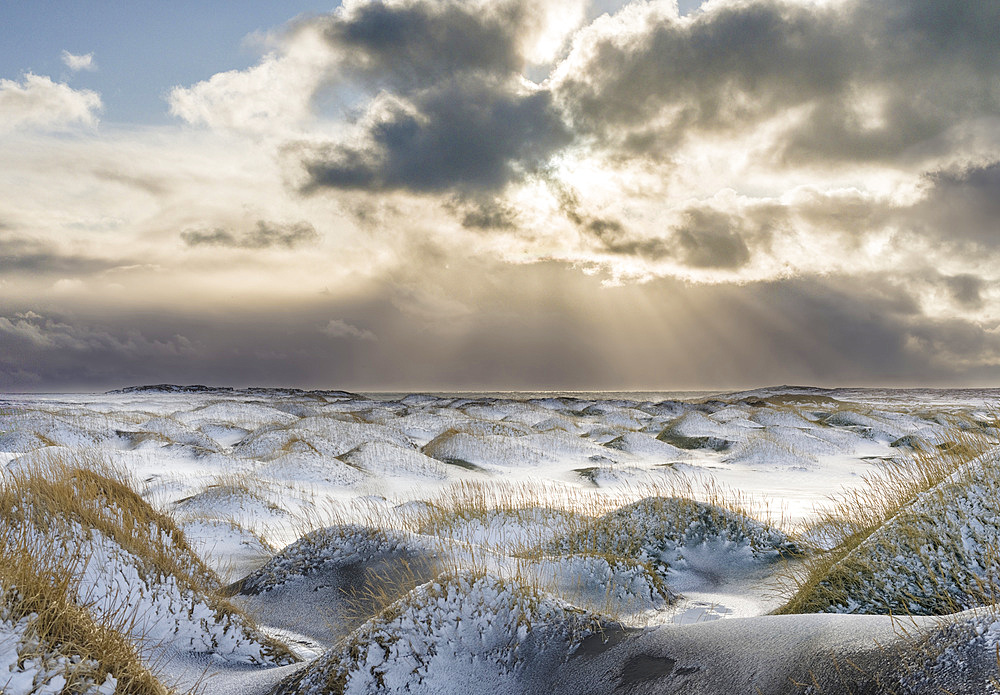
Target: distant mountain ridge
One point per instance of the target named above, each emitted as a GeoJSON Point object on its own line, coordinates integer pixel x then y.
{"type": "Point", "coordinates": [229, 390]}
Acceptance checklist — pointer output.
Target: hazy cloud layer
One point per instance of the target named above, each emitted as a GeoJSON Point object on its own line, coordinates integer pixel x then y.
{"type": "Point", "coordinates": [661, 335]}
{"type": "Point", "coordinates": [23, 255]}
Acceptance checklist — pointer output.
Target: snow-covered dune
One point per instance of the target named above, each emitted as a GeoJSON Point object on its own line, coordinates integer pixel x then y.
{"type": "Point", "coordinates": [570, 543]}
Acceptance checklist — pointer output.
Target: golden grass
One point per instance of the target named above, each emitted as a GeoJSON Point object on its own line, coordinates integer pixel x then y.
{"type": "Point", "coordinates": [56, 493]}
{"type": "Point", "coordinates": [42, 590]}
{"type": "Point", "coordinates": [575, 508]}
{"type": "Point", "coordinates": [42, 586]}
{"type": "Point", "coordinates": [44, 509]}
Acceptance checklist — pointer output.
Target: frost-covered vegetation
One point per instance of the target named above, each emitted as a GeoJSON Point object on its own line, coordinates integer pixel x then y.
{"type": "Point", "coordinates": [262, 540]}
{"type": "Point", "coordinates": [920, 538]}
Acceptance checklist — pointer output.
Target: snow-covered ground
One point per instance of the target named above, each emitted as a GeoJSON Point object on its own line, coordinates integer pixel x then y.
{"type": "Point", "coordinates": [415, 543]}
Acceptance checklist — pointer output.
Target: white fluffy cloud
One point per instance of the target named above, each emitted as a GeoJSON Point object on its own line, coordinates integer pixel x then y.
{"type": "Point", "coordinates": [39, 103]}
{"type": "Point", "coordinates": [272, 97]}
{"type": "Point", "coordinates": [79, 62]}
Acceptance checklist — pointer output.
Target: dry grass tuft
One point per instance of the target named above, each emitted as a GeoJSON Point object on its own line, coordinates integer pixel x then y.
{"type": "Point", "coordinates": [549, 536]}
{"type": "Point", "coordinates": [56, 494]}
{"type": "Point", "coordinates": [39, 586]}
{"type": "Point", "coordinates": [35, 588]}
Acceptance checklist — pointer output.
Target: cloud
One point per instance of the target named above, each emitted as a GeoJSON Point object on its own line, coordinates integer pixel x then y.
{"type": "Point", "coordinates": [720, 234]}
{"type": "Point", "coordinates": [763, 190]}
{"type": "Point", "coordinates": [850, 81]}
{"type": "Point", "coordinates": [66, 352]}
{"type": "Point", "coordinates": [960, 204]}
{"type": "Point", "coordinates": [712, 240]}
{"type": "Point", "coordinates": [408, 46]}
{"type": "Point", "coordinates": [40, 103]}
{"type": "Point", "coordinates": [264, 235]}
{"type": "Point", "coordinates": [573, 333]}
{"type": "Point", "coordinates": [337, 328]}
{"type": "Point", "coordinates": [966, 289]}
{"type": "Point", "coordinates": [39, 332]}
{"type": "Point", "coordinates": [451, 111]}
{"type": "Point", "coordinates": [79, 62]}
{"type": "Point", "coordinates": [462, 136]}
{"type": "Point", "coordinates": [485, 213]}
{"type": "Point", "coordinates": [25, 255]}
{"type": "Point", "coordinates": [273, 97]}
{"type": "Point", "coordinates": [439, 86]}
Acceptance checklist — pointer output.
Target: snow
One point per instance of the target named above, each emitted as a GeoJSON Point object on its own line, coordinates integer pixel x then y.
{"type": "Point", "coordinates": [335, 546]}
{"type": "Point", "coordinates": [229, 549]}
{"type": "Point", "coordinates": [247, 471]}
{"type": "Point", "coordinates": [448, 634]}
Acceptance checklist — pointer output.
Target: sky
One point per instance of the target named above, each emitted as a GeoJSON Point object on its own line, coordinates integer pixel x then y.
{"type": "Point", "coordinates": [499, 194]}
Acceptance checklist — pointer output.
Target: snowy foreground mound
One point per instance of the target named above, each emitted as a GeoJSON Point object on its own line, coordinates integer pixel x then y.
{"type": "Point", "coordinates": [192, 539]}
{"type": "Point", "coordinates": [443, 636]}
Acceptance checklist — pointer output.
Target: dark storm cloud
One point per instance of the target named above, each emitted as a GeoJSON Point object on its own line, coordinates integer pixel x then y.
{"type": "Point", "coordinates": [617, 239]}
{"type": "Point", "coordinates": [966, 289]}
{"type": "Point", "coordinates": [413, 45]}
{"type": "Point", "coordinates": [611, 233]}
{"type": "Point", "coordinates": [25, 255]}
{"type": "Point", "coordinates": [469, 135]}
{"type": "Point", "coordinates": [864, 330]}
{"type": "Point", "coordinates": [712, 239]}
{"type": "Point", "coordinates": [705, 237]}
{"type": "Point", "coordinates": [264, 235]}
{"type": "Point", "coordinates": [453, 116]}
{"type": "Point", "coordinates": [60, 352]}
{"type": "Point", "coordinates": [955, 342]}
{"type": "Point", "coordinates": [961, 205]}
{"type": "Point", "coordinates": [95, 349]}
{"type": "Point", "coordinates": [873, 78]}
{"type": "Point", "coordinates": [32, 332]}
